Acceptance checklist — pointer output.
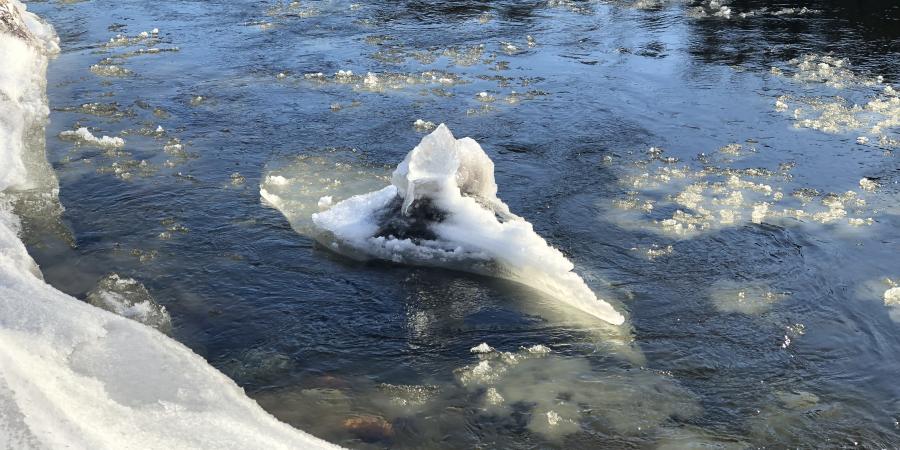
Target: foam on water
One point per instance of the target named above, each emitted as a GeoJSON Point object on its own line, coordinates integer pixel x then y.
{"type": "Point", "coordinates": [442, 210]}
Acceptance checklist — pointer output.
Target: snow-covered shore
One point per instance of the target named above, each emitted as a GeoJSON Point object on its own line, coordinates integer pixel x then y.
{"type": "Point", "coordinates": [73, 375]}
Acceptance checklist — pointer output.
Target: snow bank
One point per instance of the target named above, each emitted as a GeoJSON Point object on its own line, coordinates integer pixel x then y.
{"type": "Point", "coordinates": [75, 376]}
{"type": "Point", "coordinates": [441, 209]}
{"type": "Point", "coordinates": [25, 45]}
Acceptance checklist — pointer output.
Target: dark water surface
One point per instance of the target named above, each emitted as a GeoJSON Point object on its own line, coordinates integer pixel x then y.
{"type": "Point", "coordinates": [760, 326]}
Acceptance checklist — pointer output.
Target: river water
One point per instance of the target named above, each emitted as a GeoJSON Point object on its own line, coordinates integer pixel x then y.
{"type": "Point", "coordinates": [702, 165]}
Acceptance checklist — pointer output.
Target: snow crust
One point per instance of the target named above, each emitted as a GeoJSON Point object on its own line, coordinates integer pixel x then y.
{"type": "Point", "coordinates": [76, 376]}
{"type": "Point", "coordinates": [442, 209]}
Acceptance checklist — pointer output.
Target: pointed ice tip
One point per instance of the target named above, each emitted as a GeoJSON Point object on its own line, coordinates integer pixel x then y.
{"type": "Point", "coordinates": [442, 130]}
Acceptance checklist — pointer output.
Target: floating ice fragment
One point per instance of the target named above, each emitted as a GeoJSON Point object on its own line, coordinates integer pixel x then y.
{"type": "Point", "coordinates": [537, 349]}
{"type": "Point", "coordinates": [371, 80]}
{"type": "Point", "coordinates": [482, 348]}
{"type": "Point", "coordinates": [492, 397]}
{"type": "Point", "coordinates": [129, 298]}
{"type": "Point", "coordinates": [442, 210]}
{"type": "Point", "coordinates": [344, 75]}
{"type": "Point", "coordinates": [868, 184]}
{"type": "Point", "coordinates": [423, 125]}
{"type": "Point", "coordinates": [892, 296]}
{"type": "Point", "coordinates": [83, 136]}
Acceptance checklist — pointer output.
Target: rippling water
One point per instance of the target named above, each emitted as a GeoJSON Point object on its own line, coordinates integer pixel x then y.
{"type": "Point", "coordinates": [704, 169]}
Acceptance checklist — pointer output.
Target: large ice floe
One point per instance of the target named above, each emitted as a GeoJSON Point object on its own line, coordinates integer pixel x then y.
{"type": "Point", "coordinates": [76, 376]}
{"type": "Point", "coordinates": [441, 209]}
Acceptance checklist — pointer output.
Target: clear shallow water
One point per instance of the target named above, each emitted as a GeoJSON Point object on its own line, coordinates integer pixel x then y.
{"type": "Point", "coordinates": [742, 334]}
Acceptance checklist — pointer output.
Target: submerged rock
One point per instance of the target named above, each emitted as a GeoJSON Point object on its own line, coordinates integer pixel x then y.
{"type": "Point", "coordinates": [370, 428]}
{"type": "Point", "coordinates": [442, 210]}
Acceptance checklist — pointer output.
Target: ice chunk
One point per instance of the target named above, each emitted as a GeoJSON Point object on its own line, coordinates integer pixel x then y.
{"type": "Point", "coordinates": [129, 298]}
{"type": "Point", "coordinates": [482, 348]}
{"type": "Point", "coordinates": [441, 209]}
{"type": "Point", "coordinates": [84, 136]}
{"type": "Point", "coordinates": [892, 296]}
{"type": "Point", "coordinates": [423, 125]}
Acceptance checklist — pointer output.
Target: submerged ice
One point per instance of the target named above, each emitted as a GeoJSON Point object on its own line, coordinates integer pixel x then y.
{"type": "Point", "coordinates": [441, 209]}
{"type": "Point", "coordinates": [129, 298]}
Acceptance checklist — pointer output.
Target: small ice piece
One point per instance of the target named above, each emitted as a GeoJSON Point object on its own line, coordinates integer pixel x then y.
{"type": "Point", "coordinates": [371, 80]}
{"type": "Point", "coordinates": [553, 418]}
{"type": "Point", "coordinates": [537, 349]}
{"type": "Point", "coordinates": [343, 76]}
{"type": "Point", "coordinates": [892, 296]}
{"type": "Point", "coordinates": [325, 202]}
{"type": "Point", "coordinates": [862, 140]}
{"type": "Point", "coordinates": [868, 184]}
{"type": "Point", "coordinates": [780, 105]}
{"type": "Point", "coordinates": [160, 129]}
{"type": "Point", "coordinates": [423, 125]}
{"type": "Point", "coordinates": [442, 210]}
{"type": "Point", "coordinates": [144, 34]}
{"type": "Point", "coordinates": [492, 397]}
{"type": "Point", "coordinates": [84, 136]}
{"type": "Point", "coordinates": [481, 348]}
{"type": "Point", "coordinates": [484, 97]}
{"type": "Point", "coordinates": [129, 298]}
{"type": "Point", "coordinates": [154, 31]}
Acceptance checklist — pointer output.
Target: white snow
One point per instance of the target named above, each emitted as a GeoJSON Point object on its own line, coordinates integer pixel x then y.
{"type": "Point", "coordinates": [76, 376]}
{"type": "Point", "coordinates": [22, 89]}
{"type": "Point", "coordinates": [455, 179]}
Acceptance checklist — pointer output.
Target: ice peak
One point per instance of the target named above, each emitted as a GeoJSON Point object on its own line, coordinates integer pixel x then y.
{"type": "Point", "coordinates": [443, 167]}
